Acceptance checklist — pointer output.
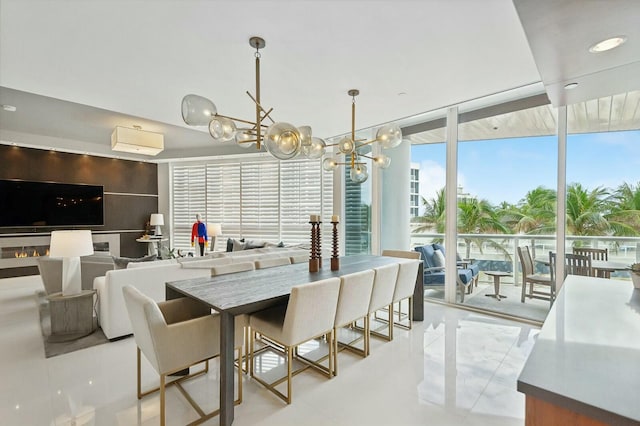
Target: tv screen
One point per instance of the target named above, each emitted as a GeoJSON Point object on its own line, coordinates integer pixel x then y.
{"type": "Point", "coordinates": [37, 204]}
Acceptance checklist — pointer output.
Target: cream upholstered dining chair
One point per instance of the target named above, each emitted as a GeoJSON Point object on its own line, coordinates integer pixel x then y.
{"type": "Point", "coordinates": [384, 285]}
{"type": "Point", "coordinates": [232, 268]}
{"type": "Point", "coordinates": [533, 279]}
{"type": "Point", "coordinates": [405, 286]}
{"type": "Point", "coordinates": [309, 314]}
{"type": "Point", "coordinates": [353, 304]}
{"type": "Point", "coordinates": [299, 258]}
{"type": "Point", "coordinates": [270, 263]}
{"type": "Point", "coordinates": [406, 283]}
{"type": "Point", "coordinates": [175, 335]}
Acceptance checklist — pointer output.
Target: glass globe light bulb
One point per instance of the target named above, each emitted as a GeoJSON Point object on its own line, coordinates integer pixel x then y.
{"type": "Point", "coordinates": [359, 173]}
{"type": "Point", "coordinates": [346, 145]}
{"type": "Point", "coordinates": [329, 164]}
{"type": "Point", "coordinates": [283, 141]}
{"type": "Point", "coordinates": [382, 161]}
{"type": "Point", "coordinates": [243, 135]}
{"type": "Point", "coordinates": [222, 129]}
{"type": "Point", "coordinates": [197, 110]}
{"type": "Point", "coordinates": [305, 135]}
{"type": "Point", "coordinates": [315, 150]}
{"type": "Point", "coordinates": [389, 136]}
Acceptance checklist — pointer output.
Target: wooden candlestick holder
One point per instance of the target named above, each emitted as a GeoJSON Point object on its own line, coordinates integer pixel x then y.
{"type": "Point", "coordinates": [335, 260]}
{"type": "Point", "coordinates": [319, 244]}
{"type": "Point", "coordinates": [314, 264]}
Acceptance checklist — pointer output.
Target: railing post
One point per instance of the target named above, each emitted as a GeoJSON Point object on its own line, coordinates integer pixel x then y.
{"type": "Point", "coordinates": [514, 261]}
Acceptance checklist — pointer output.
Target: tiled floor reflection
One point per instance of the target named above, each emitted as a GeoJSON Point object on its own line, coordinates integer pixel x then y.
{"type": "Point", "coordinates": [456, 367]}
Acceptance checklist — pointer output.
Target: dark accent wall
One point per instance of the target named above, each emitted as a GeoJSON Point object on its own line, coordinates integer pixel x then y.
{"type": "Point", "coordinates": [123, 212]}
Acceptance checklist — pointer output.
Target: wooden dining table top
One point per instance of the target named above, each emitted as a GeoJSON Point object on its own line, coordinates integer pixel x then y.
{"type": "Point", "coordinates": [246, 292]}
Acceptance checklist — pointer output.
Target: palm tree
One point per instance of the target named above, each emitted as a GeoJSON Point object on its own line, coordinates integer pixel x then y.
{"type": "Point", "coordinates": [624, 216]}
{"type": "Point", "coordinates": [535, 214]}
{"type": "Point", "coordinates": [479, 217]}
{"type": "Point", "coordinates": [434, 215]}
{"type": "Point", "coordinates": [586, 211]}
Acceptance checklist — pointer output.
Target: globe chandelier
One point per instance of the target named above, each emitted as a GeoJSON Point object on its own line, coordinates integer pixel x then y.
{"type": "Point", "coordinates": [282, 140]}
{"type": "Point", "coordinates": [388, 136]}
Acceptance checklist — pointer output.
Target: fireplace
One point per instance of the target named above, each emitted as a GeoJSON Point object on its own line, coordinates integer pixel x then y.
{"type": "Point", "coordinates": [21, 251]}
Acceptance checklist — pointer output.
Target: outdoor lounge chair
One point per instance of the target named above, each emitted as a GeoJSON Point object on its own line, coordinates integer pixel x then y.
{"type": "Point", "coordinates": [434, 272]}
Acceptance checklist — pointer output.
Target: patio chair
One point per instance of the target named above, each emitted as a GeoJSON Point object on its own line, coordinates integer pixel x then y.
{"type": "Point", "coordinates": [595, 254]}
{"type": "Point", "coordinates": [433, 270]}
{"type": "Point", "coordinates": [529, 277]}
{"type": "Point", "coordinates": [574, 265]}
{"type": "Point", "coordinates": [464, 264]}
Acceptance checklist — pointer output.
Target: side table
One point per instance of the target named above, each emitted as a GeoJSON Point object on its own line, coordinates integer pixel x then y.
{"type": "Point", "coordinates": [71, 316]}
{"type": "Point", "coordinates": [496, 282]}
{"type": "Point", "coordinates": [153, 244]}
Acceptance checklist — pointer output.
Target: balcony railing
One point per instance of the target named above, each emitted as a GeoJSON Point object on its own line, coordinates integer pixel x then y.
{"type": "Point", "coordinates": [498, 251]}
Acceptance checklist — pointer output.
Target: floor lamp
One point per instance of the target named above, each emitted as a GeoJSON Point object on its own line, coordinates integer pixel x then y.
{"type": "Point", "coordinates": [213, 230]}
{"type": "Point", "coordinates": [70, 245]}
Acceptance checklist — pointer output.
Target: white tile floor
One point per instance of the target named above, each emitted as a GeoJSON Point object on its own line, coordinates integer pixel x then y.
{"type": "Point", "coordinates": [456, 367]}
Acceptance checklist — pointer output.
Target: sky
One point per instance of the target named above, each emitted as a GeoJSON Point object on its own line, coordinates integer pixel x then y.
{"type": "Point", "coordinates": [506, 169]}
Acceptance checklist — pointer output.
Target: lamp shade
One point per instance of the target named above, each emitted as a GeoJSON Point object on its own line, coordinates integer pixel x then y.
{"type": "Point", "coordinates": [214, 229]}
{"type": "Point", "coordinates": [156, 219]}
{"type": "Point", "coordinates": [70, 244]}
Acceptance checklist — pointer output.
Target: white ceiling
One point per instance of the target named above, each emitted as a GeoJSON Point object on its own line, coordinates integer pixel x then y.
{"type": "Point", "coordinates": [116, 62]}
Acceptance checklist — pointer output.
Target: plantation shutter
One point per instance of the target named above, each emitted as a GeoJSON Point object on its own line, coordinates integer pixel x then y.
{"type": "Point", "coordinates": [188, 194]}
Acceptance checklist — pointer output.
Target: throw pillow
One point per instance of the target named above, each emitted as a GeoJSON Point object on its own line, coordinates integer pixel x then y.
{"type": "Point", "coordinates": [438, 258]}
{"type": "Point", "coordinates": [238, 245]}
{"type": "Point", "coordinates": [254, 244]}
{"type": "Point", "coordinates": [123, 262]}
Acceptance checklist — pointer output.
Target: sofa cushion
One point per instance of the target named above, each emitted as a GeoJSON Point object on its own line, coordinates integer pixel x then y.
{"type": "Point", "coordinates": [153, 264]}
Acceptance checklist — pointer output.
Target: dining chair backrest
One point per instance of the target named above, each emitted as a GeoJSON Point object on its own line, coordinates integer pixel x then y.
{"type": "Point", "coordinates": [143, 313]}
{"type": "Point", "coordinates": [270, 263]}
{"type": "Point", "coordinates": [355, 295]}
{"type": "Point", "coordinates": [401, 253]}
{"type": "Point", "coordinates": [300, 258]}
{"type": "Point", "coordinates": [232, 268]}
{"type": "Point", "coordinates": [574, 265]}
{"type": "Point", "coordinates": [593, 253]}
{"type": "Point", "coordinates": [578, 265]}
{"type": "Point", "coordinates": [406, 282]}
{"type": "Point", "coordinates": [311, 311]}
{"type": "Point", "coordinates": [384, 285]}
{"type": "Point", "coordinates": [525, 261]}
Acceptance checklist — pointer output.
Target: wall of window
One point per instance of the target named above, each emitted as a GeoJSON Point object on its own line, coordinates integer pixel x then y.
{"type": "Point", "coordinates": [357, 206]}
{"type": "Point", "coordinates": [253, 197]}
{"type": "Point", "coordinates": [603, 177]}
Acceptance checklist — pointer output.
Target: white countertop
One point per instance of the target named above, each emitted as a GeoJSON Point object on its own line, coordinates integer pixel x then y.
{"type": "Point", "coordinates": [587, 356]}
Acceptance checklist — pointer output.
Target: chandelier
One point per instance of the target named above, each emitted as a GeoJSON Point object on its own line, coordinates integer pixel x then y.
{"type": "Point", "coordinates": [388, 136]}
{"type": "Point", "coordinates": [282, 140]}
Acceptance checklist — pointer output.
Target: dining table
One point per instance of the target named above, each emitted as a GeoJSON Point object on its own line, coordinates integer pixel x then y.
{"type": "Point", "coordinates": [251, 291]}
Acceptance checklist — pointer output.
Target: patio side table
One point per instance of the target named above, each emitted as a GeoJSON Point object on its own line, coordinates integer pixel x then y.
{"type": "Point", "coordinates": [496, 282]}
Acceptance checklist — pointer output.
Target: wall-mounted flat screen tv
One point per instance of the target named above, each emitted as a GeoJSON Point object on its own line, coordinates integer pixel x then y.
{"type": "Point", "coordinates": [44, 204]}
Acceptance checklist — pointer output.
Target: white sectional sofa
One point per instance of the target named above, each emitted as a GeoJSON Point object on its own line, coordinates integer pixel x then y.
{"type": "Point", "coordinates": [112, 312]}
{"type": "Point", "coordinates": [150, 278]}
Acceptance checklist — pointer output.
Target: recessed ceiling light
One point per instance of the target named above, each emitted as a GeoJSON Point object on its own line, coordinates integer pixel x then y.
{"type": "Point", "coordinates": [608, 44]}
{"type": "Point", "coordinates": [570, 86]}
{"type": "Point", "coordinates": [402, 94]}
{"type": "Point", "coordinates": [9, 108]}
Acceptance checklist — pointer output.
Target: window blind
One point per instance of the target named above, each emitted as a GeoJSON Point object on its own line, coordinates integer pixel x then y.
{"type": "Point", "coordinates": [256, 199]}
